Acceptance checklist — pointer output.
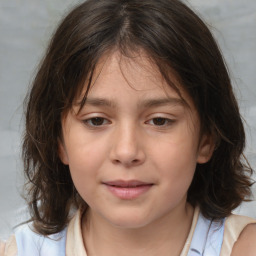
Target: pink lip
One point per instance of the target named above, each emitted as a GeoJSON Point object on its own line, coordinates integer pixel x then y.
{"type": "Point", "coordinates": [127, 189]}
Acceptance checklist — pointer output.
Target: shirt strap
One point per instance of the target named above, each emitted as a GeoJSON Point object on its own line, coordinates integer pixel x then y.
{"type": "Point", "coordinates": [208, 237]}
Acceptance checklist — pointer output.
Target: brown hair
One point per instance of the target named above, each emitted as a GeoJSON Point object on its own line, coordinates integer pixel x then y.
{"type": "Point", "coordinates": [175, 38]}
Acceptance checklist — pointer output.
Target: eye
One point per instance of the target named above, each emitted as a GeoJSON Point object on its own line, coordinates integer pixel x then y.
{"type": "Point", "coordinates": [96, 121]}
{"type": "Point", "coordinates": [160, 121]}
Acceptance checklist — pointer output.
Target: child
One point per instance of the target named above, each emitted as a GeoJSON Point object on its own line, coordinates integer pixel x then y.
{"type": "Point", "coordinates": [133, 142]}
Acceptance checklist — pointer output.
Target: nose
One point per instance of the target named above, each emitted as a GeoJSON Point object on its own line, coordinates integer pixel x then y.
{"type": "Point", "coordinates": [127, 149]}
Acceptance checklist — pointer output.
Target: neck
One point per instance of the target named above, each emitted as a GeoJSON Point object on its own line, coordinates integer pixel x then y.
{"type": "Point", "coordinates": [164, 237]}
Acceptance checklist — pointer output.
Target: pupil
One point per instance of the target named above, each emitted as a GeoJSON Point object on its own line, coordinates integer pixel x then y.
{"type": "Point", "coordinates": [97, 121]}
{"type": "Point", "coordinates": [159, 121]}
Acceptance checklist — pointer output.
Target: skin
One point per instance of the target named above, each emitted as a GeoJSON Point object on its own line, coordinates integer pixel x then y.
{"type": "Point", "coordinates": [140, 134]}
{"type": "Point", "coordinates": [134, 127]}
{"type": "Point", "coordinates": [2, 247]}
{"type": "Point", "coordinates": [129, 142]}
{"type": "Point", "coordinates": [245, 244]}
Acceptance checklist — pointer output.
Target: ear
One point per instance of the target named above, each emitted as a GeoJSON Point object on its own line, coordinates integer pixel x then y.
{"type": "Point", "coordinates": [206, 148]}
{"type": "Point", "coordinates": [62, 152]}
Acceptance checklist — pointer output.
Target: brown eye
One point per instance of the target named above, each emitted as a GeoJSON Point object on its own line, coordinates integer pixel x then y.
{"type": "Point", "coordinates": [159, 121]}
{"type": "Point", "coordinates": [95, 121]}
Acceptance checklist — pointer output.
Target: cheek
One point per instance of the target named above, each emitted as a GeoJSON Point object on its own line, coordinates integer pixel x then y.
{"type": "Point", "coordinates": [85, 161]}
{"type": "Point", "coordinates": [87, 157]}
{"type": "Point", "coordinates": [178, 168]}
{"type": "Point", "coordinates": [176, 163]}
{"type": "Point", "coordinates": [177, 175]}
{"type": "Point", "coordinates": [179, 154]}
{"type": "Point", "coordinates": [85, 152]}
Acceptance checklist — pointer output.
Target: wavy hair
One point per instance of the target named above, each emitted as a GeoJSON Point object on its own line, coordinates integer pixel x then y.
{"type": "Point", "coordinates": [174, 38]}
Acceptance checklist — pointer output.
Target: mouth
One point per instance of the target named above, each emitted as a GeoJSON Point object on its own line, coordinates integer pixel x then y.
{"type": "Point", "coordinates": [127, 190]}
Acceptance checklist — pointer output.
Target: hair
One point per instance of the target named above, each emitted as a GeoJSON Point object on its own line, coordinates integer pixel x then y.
{"type": "Point", "coordinates": [175, 39]}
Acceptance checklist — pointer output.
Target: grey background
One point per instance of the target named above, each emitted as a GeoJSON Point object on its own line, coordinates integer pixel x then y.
{"type": "Point", "coordinates": [25, 28]}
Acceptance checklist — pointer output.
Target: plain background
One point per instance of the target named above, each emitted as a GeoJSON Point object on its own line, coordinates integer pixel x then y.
{"type": "Point", "coordinates": [25, 28]}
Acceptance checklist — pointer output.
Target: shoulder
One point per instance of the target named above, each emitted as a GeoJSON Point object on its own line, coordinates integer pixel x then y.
{"type": "Point", "coordinates": [27, 242]}
{"type": "Point", "coordinates": [9, 248]}
{"type": "Point", "coordinates": [246, 242]}
{"type": "Point", "coordinates": [31, 243]}
{"type": "Point", "coordinates": [238, 229]}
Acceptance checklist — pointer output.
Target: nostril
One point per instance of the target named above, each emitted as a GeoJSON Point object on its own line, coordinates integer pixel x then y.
{"type": "Point", "coordinates": [127, 155]}
{"type": "Point", "coordinates": [127, 163]}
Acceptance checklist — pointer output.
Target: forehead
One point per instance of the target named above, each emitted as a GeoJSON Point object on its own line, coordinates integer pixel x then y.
{"type": "Point", "coordinates": [119, 77]}
{"type": "Point", "coordinates": [138, 71]}
{"type": "Point", "coordinates": [136, 76]}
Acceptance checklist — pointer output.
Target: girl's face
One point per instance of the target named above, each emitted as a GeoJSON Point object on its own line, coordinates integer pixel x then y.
{"type": "Point", "coordinates": [133, 148]}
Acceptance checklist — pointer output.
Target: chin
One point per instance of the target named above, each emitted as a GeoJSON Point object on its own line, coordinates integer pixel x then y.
{"type": "Point", "coordinates": [129, 221]}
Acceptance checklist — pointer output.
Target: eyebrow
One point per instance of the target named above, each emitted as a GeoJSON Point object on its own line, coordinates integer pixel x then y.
{"type": "Point", "coordinates": [161, 102]}
{"type": "Point", "coordinates": [100, 102]}
{"type": "Point", "coordinates": [148, 103]}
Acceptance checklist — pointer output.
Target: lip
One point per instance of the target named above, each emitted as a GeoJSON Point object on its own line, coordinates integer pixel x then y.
{"type": "Point", "coordinates": [127, 190]}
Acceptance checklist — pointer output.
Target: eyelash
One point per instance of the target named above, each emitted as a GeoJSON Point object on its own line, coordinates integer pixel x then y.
{"type": "Point", "coordinates": [167, 121]}
{"type": "Point", "coordinates": [89, 121]}
{"type": "Point", "coordinates": [103, 121]}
